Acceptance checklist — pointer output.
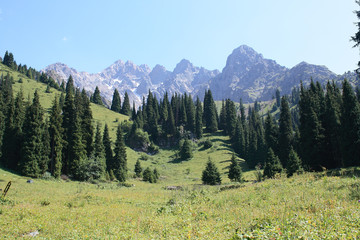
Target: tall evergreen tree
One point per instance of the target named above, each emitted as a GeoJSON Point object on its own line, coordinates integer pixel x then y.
{"type": "Point", "coordinates": [271, 133]}
{"type": "Point", "coordinates": [86, 123]}
{"type": "Point", "coordinates": [198, 119]}
{"type": "Point", "coordinates": [222, 116]}
{"type": "Point", "coordinates": [116, 102]}
{"type": "Point", "coordinates": [190, 114]}
{"type": "Point", "coordinates": [99, 151]}
{"type": "Point", "coordinates": [69, 118]}
{"type": "Point", "coordinates": [138, 169]}
{"type": "Point", "coordinates": [32, 146]}
{"type": "Point", "coordinates": [350, 126]}
{"type": "Point", "coordinates": [120, 158]}
{"type": "Point", "coordinates": [230, 117]}
{"type": "Point", "coordinates": [294, 163]}
{"type": "Point", "coordinates": [77, 158]}
{"type": "Point", "coordinates": [235, 172]}
{"type": "Point", "coordinates": [238, 139]}
{"type": "Point", "coordinates": [210, 113]}
{"type": "Point", "coordinates": [108, 149]}
{"type": "Point", "coordinates": [272, 165]}
{"type": "Point", "coordinates": [96, 98]}
{"type": "Point", "coordinates": [126, 105]}
{"type": "Point", "coordinates": [285, 131]}
{"type": "Point", "coordinates": [56, 141]}
{"type": "Point", "coordinates": [45, 148]}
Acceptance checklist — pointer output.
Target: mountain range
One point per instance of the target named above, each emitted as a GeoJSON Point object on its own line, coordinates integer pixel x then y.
{"type": "Point", "coordinates": [247, 75]}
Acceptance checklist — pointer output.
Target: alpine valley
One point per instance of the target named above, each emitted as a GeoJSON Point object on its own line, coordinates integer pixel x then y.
{"type": "Point", "coordinates": [247, 75]}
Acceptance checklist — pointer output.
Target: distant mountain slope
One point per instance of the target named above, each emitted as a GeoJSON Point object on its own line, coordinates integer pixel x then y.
{"type": "Point", "coordinates": [247, 75]}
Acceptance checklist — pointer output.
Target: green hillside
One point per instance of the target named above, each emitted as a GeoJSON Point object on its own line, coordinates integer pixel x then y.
{"type": "Point", "coordinates": [28, 86]}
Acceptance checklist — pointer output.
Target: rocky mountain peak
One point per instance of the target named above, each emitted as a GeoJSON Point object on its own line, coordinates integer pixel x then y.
{"type": "Point", "coordinates": [183, 66]}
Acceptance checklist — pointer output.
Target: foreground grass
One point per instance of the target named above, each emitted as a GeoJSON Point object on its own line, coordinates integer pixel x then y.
{"type": "Point", "coordinates": [308, 206]}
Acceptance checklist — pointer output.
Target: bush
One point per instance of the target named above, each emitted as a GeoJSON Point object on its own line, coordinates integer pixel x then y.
{"type": "Point", "coordinates": [208, 144]}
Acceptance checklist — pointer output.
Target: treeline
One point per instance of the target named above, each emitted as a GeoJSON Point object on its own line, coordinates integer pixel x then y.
{"type": "Point", "coordinates": [316, 127]}
{"type": "Point", "coordinates": [66, 142]}
{"type": "Point", "coordinates": [30, 72]}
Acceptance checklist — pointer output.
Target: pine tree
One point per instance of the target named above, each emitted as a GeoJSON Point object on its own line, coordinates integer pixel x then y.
{"type": "Point", "coordinates": [210, 114]}
{"type": "Point", "coordinates": [32, 146]}
{"type": "Point", "coordinates": [271, 133]}
{"type": "Point", "coordinates": [238, 139]}
{"type": "Point", "coordinates": [235, 172]}
{"type": "Point", "coordinates": [126, 105]}
{"type": "Point", "coordinates": [120, 159]}
{"type": "Point", "coordinates": [350, 126]}
{"type": "Point", "coordinates": [190, 114]}
{"type": "Point", "coordinates": [272, 165]}
{"type": "Point", "coordinates": [86, 123]}
{"type": "Point", "coordinates": [198, 119]}
{"type": "Point", "coordinates": [108, 149]}
{"type": "Point", "coordinates": [285, 131]}
{"type": "Point", "coordinates": [230, 117]}
{"type": "Point", "coordinates": [211, 174]}
{"type": "Point", "coordinates": [96, 98]}
{"type": "Point", "coordinates": [186, 150]}
{"type": "Point", "coordinates": [294, 163]}
{"type": "Point", "coordinates": [99, 151]}
{"type": "Point", "coordinates": [116, 102]}
{"type": "Point", "coordinates": [56, 141]}
{"type": "Point", "coordinates": [68, 124]}
{"type": "Point", "coordinates": [222, 117]}
{"type": "Point", "coordinates": [138, 169]}
{"type": "Point", "coordinates": [77, 158]}
{"type": "Point", "coordinates": [278, 98]}
{"type": "Point", "coordinates": [45, 148]}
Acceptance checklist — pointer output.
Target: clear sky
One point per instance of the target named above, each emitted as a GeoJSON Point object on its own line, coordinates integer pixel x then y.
{"type": "Point", "coordinates": [91, 35]}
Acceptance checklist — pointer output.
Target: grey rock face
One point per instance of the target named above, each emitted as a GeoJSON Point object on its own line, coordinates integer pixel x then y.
{"type": "Point", "coordinates": [247, 75]}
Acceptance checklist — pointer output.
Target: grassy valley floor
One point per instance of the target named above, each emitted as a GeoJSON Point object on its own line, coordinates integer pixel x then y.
{"type": "Point", "coordinates": [309, 206]}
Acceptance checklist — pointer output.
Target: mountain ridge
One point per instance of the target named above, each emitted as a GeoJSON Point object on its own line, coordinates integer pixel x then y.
{"type": "Point", "coordinates": [247, 75]}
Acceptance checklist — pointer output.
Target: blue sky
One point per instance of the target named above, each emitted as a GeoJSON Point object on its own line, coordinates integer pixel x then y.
{"type": "Point", "coordinates": [91, 35]}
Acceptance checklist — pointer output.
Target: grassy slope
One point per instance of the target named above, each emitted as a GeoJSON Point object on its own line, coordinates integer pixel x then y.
{"type": "Point", "coordinates": [310, 206]}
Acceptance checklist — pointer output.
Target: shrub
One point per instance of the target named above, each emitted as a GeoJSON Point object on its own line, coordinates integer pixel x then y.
{"type": "Point", "coordinates": [208, 144]}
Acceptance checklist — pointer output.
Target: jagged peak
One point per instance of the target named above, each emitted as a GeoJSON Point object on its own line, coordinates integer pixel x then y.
{"type": "Point", "coordinates": [182, 66]}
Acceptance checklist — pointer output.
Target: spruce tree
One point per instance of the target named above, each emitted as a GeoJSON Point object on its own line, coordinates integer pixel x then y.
{"type": "Point", "coordinates": [99, 151]}
{"type": "Point", "coordinates": [198, 119]}
{"type": "Point", "coordinates": [138, 169]}
{"type": "Point", "coordinates": [148, 176]}
{"type": "Point", "coordinates": [120, 158]}
{"type": "Point", "coordinates": [116, 102]}
{"type": "Point", "coordinates": [350, 126]}
{"type": "Point", "coordinates": [230, 117]}
{"type": "Point", "coordinates": [271, 133]}
{"type": "Point", "coordinates": [77, 157]}
{"type": "Point", "coordinates": [68, 124]}
{"type": "Point", "coordinates": [222, 116]}
{"type": "Point", "coordinates": [210, 113]}
{"type": "Point", "coordinates": [45, 148]}
{"type": "Point", "coordinates": [190, 114]}
{"type": "Point", "coordinates": [126, 105]}
{"type": "Point", "coordinates": [108, 149]}
{"type": "Point", "coordinates": [32, 146]}
{"type": "Point", "coordinates": [238, 140]}
{"type": "Point", "coordinates": [285, 131]}
{"type": "Point", "coordinates": [186, 150]}
{"type": "Point", "coordinates": [211, 174]}
{"type": "Point", "coordinates": [294, 164]}
{"type": "Point", "coordinates": [235, 172]}
{"type": "Point", "coordinates": [272, 165]}
{"type": "Point", "coordinates": [96, 98]}
{"type": "Point", "coordinates": [56, 141]}
{"type": "Point", "coordinates": [86, 123]}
